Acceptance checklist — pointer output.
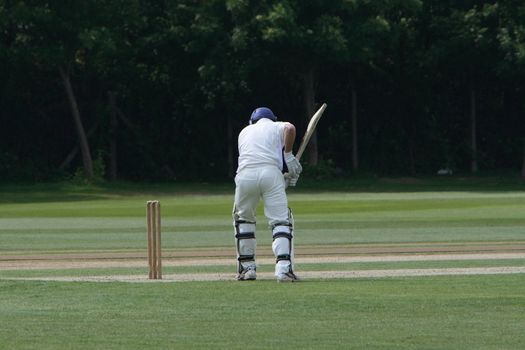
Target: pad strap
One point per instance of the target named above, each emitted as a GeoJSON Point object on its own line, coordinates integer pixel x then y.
{"type": "Point", "coordinates": [282, 234]}
{"type": "Point", "coordinates": [245, 235]}
{"type": "Point", "coordinates": [242, 258]}
{"type": "Point", "coordinates": [284, 257]}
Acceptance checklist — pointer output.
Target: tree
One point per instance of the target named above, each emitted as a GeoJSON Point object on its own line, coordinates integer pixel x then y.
{"type": "Point", "coordinates": [222, 72]}
{"type": "Point", "coordinates": [380, 36]}
{"type": "Point", "coordinates": [464, 51]}
{"type": "Point", "coordinates": [47, 36]}
{"type": "Point", "coordinates": [511, 39]}
{"type": "Point", "coordinates": [409, 84]}
{"type": "Point", "coordinates": [296, 36]}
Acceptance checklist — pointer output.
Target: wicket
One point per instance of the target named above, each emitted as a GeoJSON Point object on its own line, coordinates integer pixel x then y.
{"type": "Point", "coordinates": [154, 242]}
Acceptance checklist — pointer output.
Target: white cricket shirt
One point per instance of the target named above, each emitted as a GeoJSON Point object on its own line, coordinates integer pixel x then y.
{"type": "Point", "coordinates": [261, 144]}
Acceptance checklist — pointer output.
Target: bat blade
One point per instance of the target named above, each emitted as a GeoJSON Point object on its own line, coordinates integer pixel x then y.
{"type": "Point", "coordinates": [310, 131]}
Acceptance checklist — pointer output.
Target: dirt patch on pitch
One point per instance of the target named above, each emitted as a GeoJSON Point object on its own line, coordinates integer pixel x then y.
{"type": "Point", "coordinates": [50, 264]}
{"type": "Point", "coordinates": [306, 255]}
{"type": "Point", "coordinates": [305, 275]}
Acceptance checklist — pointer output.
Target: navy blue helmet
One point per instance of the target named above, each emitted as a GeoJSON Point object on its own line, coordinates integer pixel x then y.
{"type": "Point", "coordinates": [262, 112]}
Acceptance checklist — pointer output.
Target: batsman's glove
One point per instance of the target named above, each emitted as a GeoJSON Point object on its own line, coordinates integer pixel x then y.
{"type": "Point", "coordinates": [290, 181]}
{"type": "Point", "coordinates": [294, 167]}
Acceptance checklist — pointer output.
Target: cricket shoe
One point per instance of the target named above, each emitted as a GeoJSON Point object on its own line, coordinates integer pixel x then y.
{"type": "Point", "coordinates": [287, 277]}
{"type": "Point", "coordinates": [247, 274]}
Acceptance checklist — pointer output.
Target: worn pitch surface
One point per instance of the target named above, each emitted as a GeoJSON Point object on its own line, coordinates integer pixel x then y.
{"type": "Point", "coordinates": [307, 255]}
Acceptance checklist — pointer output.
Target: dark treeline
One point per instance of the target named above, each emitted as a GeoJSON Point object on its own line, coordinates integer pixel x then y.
{"type": "Point", "coordinates": [158, 90]}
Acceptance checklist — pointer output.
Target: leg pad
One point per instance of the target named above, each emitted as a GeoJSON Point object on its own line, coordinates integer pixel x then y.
{"type": "Point", "coordinates": [282, 242]}
{"type": "Point", "coordinates": [246, 244]}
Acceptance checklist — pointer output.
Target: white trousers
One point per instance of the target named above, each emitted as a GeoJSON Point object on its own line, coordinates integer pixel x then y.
{"type": "Point", "coordinates": [267, 184]}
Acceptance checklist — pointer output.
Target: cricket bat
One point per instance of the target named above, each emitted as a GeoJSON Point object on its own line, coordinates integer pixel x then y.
{"type": "Point", "coordinates": [310, 131]}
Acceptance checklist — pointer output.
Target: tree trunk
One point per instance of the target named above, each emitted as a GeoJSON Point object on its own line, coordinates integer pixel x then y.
{"type": "Point", "coordinates": [113, 122]}
{"type": "Point", "coordinates": [71, 155]}
{"type": "Point", "coordinates": [82, 139]}
{"type": "Point", "coordinates": [473, 142]}
{"type": "Point", "coordinates": [309, 102]}
{"type": "Point", "coordinates": [355, 153]}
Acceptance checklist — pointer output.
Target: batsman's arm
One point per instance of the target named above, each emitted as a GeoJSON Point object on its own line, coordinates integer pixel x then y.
{"type": "Point", "coordinates": [289, 137]}
{"type": "Point", "coordinates": [293, 165]}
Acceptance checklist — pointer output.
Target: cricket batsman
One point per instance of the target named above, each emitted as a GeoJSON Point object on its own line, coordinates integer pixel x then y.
{"type": "Point", "coordinates": [265, 147]}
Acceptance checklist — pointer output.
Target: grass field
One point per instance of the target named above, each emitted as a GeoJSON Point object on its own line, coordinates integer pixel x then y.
{"type": "Point", "coordinates": [54, 231]}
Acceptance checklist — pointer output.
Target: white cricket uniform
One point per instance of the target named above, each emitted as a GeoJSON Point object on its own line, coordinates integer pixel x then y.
{"type": "Point", "coordinates": [259, 173]}
{"type": "Point", "coordinates": [259, 176]}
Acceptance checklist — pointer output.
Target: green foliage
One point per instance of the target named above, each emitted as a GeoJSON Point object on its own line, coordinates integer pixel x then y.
{"type": "Point", "coordinates": [187, 75]}
{"type": "Point", "coordinates": [324, 170]}
{"type": "Point", "coordinates": [99, 172]}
